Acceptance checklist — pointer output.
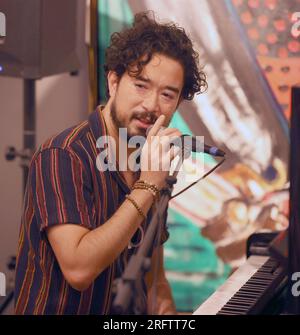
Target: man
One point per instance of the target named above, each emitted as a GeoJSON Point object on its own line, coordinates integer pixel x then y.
{"type": "Point", "coordinates": [78, 219]}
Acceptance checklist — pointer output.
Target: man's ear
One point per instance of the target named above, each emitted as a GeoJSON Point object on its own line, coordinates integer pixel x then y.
{"type": "Point", "coordinates": [113, 81]}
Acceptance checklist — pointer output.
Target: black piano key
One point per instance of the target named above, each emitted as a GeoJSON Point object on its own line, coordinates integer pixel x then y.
{"type": "Point", "coordinates": [244, 301]}
{"type": "Point", "coordinates": [264, 276]}
{"type": "Point", "coordinates": [237, 309]}
{"type": "Point", "coordinates": [238, 304]}
{"type": "Point", "coordinates": [248, 295]}
{"type": "Point", "coordinates": [254, 284]}
{"type": "Point", "coordinates": [252, 288]}
{"type": "Point", "coordinates": [257, 285]}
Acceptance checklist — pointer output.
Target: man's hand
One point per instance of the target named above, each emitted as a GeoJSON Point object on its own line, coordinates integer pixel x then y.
{"type": "Point", "coordinates": [157, 153]}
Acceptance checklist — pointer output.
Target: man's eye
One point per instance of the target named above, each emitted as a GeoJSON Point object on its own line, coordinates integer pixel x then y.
{"type": "Point", "coordinates": [140, 86]}
{"type": "Point", "coordinates": [168, 96]}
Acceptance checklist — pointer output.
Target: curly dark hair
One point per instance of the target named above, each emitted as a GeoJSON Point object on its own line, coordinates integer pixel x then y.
{"type": "Point", "coordinates": [135, 46]}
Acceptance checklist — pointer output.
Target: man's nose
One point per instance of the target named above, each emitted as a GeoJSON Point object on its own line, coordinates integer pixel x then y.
{"type": "Point", "coordinates": [151, 102]}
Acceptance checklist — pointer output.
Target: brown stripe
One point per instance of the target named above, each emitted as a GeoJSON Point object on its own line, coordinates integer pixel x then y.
{"type": "Point", "coordinates": [73, 134]}
{"type": "Point", "coordinates": [60, 193]}
{"type": "Point", "coordinates": [41, 200]}
{"type": "Point", "coordinates": [45, 297]}
{"type": "Point", "coordinates": [62, 298]}
{"type": "Point", "coordinates": [27, 217]}
{"type": "Point", "coordinates": [27, 283]}
{"type": "Point", "coordinates": [103, 194]}
{"type": "Point", "coordinates": [20, 244]}
{"type": "Point", "coordinates": [20, 252]}
{"type": "Point", "coordinates": [94, 175]}
{"type": "Point", "coordinates": [47, 143]}
{"type": "Point", "coordinates": [92, 145]}
{"type": "Point", "coordinates": [85, 301]}
{"type": "Point", "coordinates": [78, 187]}
{"type": "Point", "coordinates": [44, 279]}
{"type": "Point", "coordinates": [55, 185]}
{"type": "Point", "coordinates": [65, 300]}
{"type": "Point", "coordinates": [107, 299]}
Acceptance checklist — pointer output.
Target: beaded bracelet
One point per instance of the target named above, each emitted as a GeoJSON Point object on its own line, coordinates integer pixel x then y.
{"type": "Point", "coordinates": [136, 206]}
{"type": "Point", "coordinates": [148, 184]}
{"type": "Point", "coordinates": [144, 187]}
{"type": "Point", "coordinates": [143, 184]}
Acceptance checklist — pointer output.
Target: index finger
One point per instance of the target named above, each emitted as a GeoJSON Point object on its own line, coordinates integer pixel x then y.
{"type": "Point", "coordinates": [157, 125]}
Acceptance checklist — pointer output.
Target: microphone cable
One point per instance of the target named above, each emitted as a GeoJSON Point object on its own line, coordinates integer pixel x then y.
{"type": "Point", "coordinates": [201, 178]}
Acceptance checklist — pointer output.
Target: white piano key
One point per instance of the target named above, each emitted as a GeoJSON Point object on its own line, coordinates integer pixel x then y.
{"type": "Point", "coordinates": [218, 299]}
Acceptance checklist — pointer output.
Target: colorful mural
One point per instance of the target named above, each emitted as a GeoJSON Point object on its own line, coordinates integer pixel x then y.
{"type": "Point", "coordinates": [251, 59]}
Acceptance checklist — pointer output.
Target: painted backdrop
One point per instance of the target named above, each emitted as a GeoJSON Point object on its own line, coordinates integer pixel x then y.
{"type": "Point", "coordinates": [251, 57]}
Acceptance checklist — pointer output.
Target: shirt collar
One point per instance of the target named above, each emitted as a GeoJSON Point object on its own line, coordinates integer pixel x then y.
{"type": "Point", "coordinates": [97, 124]}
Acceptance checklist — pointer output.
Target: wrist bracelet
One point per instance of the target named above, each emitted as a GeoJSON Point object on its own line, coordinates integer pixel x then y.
{"type": "Point", "coordinates": [143, 184]}
{"type": "Point", "coordinates": [143, 187]}
{"type": "Point", "coordinates": [136, 206]}
{"type": "Point", "coordinates": [148, 184]}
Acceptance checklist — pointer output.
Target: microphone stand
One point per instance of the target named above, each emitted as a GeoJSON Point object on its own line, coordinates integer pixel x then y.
{"type": "Point", "coordinates": [139, 264]}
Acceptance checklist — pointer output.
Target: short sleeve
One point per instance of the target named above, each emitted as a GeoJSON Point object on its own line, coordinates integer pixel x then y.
{"type": "Point", "coordinates": [60, 189]}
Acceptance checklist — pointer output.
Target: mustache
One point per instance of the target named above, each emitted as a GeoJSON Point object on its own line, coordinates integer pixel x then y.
{"type": "Point", "coordinates": [148, 116]}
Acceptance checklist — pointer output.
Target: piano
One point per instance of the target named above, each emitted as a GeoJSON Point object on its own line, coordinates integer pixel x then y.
{"type": "Point", "coordinates": [259, 285]}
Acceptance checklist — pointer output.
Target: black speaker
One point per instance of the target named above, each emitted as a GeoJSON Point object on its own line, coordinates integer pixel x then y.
{"type": "Point", "coordinates": [40, 38]}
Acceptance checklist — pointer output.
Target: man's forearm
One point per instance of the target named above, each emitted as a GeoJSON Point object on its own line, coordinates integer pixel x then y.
{"type": "Point", "coordinates": [88, 253]}
{"type": "Point", "coordinates": [101, 246]}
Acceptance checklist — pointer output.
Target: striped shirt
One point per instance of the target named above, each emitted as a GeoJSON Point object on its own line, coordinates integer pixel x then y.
{"type": "Point", "coordinates": [64, 186]}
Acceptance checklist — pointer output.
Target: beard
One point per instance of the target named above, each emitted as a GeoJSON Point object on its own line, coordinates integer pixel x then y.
{"type": "Point", "coordinates": [119, 122]}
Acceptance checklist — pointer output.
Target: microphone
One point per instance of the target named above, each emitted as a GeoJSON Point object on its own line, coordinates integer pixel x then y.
{"type": "Point", "coordinates": [211, 150]}
{"type": "Point", "coordinates": [192, 144]}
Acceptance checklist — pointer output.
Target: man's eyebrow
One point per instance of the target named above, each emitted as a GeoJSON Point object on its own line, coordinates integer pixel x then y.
{"type": "Point", "coordinates": [141, 78]}
{"type": "Point", "coordinates": [147, 80]}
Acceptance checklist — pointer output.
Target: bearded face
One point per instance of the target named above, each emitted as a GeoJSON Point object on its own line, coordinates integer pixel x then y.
{"type": "Point", "coordinates": [138, 101]}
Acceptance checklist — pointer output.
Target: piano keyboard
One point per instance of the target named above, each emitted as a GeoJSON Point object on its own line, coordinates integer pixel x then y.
{"type": "Point", "coordinates": [247, 290]}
